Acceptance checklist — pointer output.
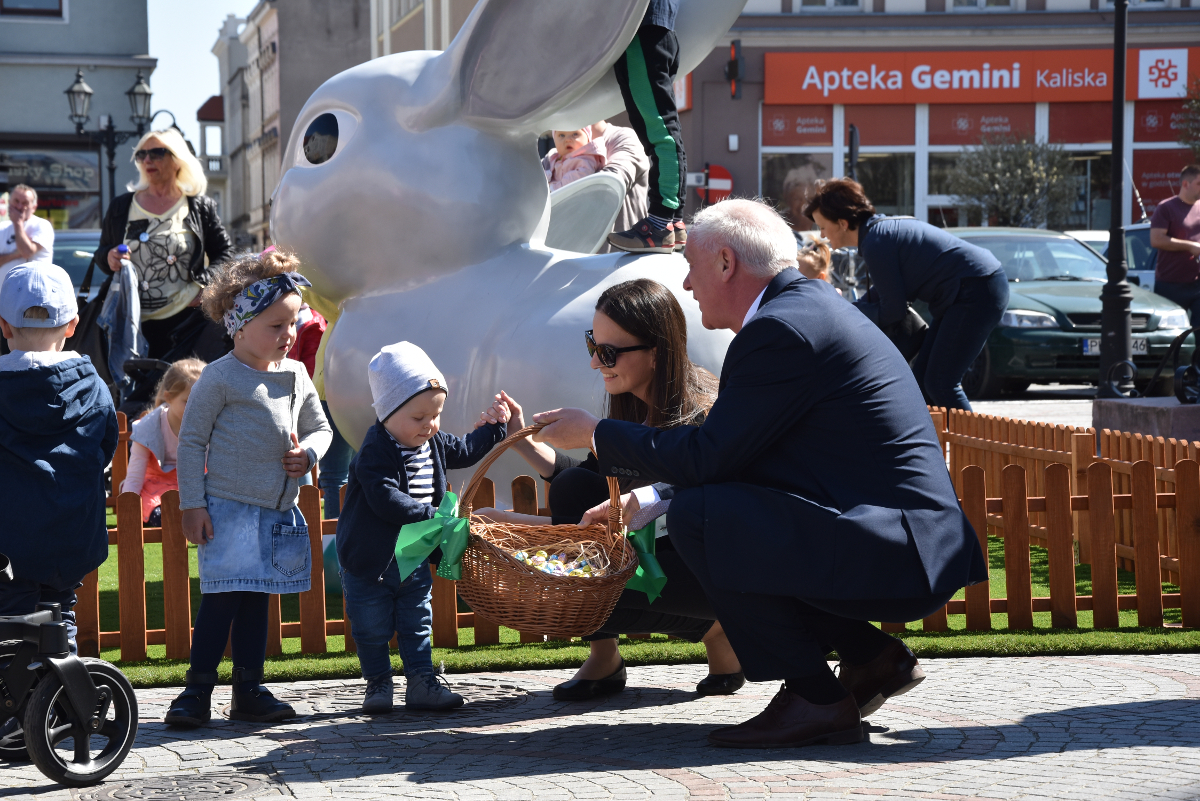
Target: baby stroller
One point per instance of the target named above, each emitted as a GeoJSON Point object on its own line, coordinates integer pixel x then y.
{"type": "Point", "coordinates": [76, 718]}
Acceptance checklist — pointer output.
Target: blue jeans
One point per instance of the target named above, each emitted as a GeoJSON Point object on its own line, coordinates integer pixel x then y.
{"type": "Point", "coordinates": [382, 606]}
{"type": "Point", "coordinates": [956, 338]}
{"type": "Point", "coordinates": [21, 597]}
{"type": "Point", "coordinates": [335, 469]}
{"type": "Point", "coordinates": [1186, 295]}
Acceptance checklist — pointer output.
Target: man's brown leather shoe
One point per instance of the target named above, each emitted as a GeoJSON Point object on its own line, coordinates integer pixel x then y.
{"type": "Point", "coordinates": [790, 721]}
{"type": "Point", "coordinates": [893, 672]}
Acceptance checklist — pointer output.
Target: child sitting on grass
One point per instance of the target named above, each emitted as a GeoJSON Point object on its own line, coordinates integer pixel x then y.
{"type": "Point", "coordinates": [155, 437]}
{"type": "Point", "coordinates": [255, 420]}
{"type": "Point", "coordinates": [399, 477]}
{"type": "Point", "coordinates": [58, 430]}
{"type": "Point", "coordinates": [577, 154]}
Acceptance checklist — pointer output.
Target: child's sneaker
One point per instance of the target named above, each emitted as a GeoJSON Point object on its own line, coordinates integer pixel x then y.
{"type": "Point", "coordinates": [254, 702]}
{"type": "Point", "coordinates": [427, 690]}
{"type": "Point", "coordinates": [378, 700]}
{"type": "Point", "coordinates": [644, 238]}
{"type": "Point", "coordinates": [680, 235]}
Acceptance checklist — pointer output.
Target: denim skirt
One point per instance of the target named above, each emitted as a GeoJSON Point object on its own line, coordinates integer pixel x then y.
{"type": "Point", "coordinates": [255, 548]}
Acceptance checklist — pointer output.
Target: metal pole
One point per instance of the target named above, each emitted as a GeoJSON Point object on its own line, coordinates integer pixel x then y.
{"type": "Point", "coordinates": [110, 144]}
{"type": "Point", "coordinates": [1116, 340]}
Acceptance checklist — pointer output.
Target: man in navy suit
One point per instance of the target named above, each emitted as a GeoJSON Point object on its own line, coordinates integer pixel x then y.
{"type": "Point", "coordinates": [813, 498]}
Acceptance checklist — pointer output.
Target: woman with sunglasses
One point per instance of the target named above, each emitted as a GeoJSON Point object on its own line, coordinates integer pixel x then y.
{"type": "Point", "coordinates": [638, 342]}
{"type": "Point", "coordinates": [175, 240]}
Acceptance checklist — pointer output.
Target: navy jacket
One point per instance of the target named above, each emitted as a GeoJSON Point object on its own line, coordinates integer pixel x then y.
{"type": "Point", "coordinates": [819, 467]}
{"type": "Point", "coordinates": [911, 260]}
{"type": "Point", "coordinates": [377, 500]}
{"type": "Point", "coordinates": [58, 431]}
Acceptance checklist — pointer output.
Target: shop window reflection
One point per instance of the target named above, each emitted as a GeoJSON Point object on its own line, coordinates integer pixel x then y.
{"type": "Point", "coordinates": [887, 178]}
{"type": "Point", "coordinates": [787, 176]}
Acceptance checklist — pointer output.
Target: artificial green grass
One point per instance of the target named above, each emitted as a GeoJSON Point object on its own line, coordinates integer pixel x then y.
{"type": "Point", "coordinates": [511, 654]}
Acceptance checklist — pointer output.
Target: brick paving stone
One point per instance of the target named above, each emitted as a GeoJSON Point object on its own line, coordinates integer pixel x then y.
{"type": "Point", "coordinates": [1104, 727]}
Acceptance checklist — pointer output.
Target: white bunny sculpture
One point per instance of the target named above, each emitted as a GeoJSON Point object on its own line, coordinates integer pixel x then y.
{"type": "Point", "coordinates": [413, 195]}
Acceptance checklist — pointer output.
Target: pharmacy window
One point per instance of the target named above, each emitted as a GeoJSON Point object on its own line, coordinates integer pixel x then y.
{"type": "Point", "coordinates": [52, 9]}
{"type": "Point", "coordinates": [817, 5]}
{"type": "Point", "coordinates": [983, 5]}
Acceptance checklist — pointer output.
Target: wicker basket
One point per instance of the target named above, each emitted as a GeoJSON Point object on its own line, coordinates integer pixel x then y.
{"type": "Point", "coordinates": [505, 591]}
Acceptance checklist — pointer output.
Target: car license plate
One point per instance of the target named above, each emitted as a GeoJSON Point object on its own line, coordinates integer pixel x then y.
{"type": "Point", "coordinates": [1091, 346]}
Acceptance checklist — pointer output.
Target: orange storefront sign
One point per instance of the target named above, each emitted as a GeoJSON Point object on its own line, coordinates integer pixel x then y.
{"type": "Point", "coordinates": [977, 76]}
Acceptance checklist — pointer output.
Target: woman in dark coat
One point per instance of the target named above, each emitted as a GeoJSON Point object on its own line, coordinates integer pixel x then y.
{"type": "Point", "coordinates": [965, 286]}
{"type": "Point", "coordinates": [638, 342]}
{"type": "Point", "coordinates": [175, 240]}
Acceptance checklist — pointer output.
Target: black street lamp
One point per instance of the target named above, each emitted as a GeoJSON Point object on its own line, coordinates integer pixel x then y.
{"type": "Point", "coordinates": [79, 95]}
{"type": "Point", "coordinates": [1116, 337]}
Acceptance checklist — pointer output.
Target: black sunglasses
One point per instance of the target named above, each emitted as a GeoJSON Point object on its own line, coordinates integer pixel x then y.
{"type": "Point", "coordinates": [608, 353]}
{"type": "Point", "coordinates": [154, 154]}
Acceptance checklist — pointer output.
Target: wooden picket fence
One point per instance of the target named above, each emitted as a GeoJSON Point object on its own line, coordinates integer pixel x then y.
{"type": "Point", "coordinates": [1136, 503]}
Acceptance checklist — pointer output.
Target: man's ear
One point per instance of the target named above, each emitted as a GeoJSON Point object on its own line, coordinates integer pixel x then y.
{"type": "Point", "coordinates": [729, 265]}
{"type": "Point", "coordinates": [71, 326]}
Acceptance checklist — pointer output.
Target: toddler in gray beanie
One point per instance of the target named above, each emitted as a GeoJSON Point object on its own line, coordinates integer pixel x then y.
{"type": "Point", "coordinates": [398, 478]}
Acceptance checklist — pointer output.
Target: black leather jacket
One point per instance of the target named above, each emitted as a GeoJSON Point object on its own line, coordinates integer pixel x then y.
{"type": "Point", "coordinates": [202, 220]}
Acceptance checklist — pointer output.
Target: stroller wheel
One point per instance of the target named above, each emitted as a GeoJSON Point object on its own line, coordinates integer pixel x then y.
{"type": "Point", "coordinates": [12, 736]}
{"type": "Point", "coordinates": [60, 746]}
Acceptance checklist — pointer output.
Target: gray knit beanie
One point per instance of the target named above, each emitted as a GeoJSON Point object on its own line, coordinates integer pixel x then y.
{"type": "Point", "coordinates": [397, 374]}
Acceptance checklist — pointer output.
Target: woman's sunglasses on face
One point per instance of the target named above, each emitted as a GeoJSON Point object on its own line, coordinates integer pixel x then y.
{"type": "Point", "coordinates": [608, 353]}
{"type": "Point", "coordinates": [153, 154]}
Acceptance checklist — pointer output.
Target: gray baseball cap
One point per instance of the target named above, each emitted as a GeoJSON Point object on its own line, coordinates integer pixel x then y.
{"type": "Point", "coordinates": [38, 284]}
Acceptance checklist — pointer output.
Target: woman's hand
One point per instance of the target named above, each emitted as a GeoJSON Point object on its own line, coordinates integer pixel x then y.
{"type": "Point", "coordinates": [114, 260]}
{"type": "Point", "coordinates": [197, 526]}
{"type": "Point", "coordinates": [295, 461]}
{"type": "Point", "coordinates": [599, 514]}
{"type": "Point", "coordinates": [493, 415]}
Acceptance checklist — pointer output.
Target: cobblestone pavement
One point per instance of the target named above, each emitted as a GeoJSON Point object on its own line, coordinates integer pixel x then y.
{"type": "Point", "coordinates": [1110, 727]}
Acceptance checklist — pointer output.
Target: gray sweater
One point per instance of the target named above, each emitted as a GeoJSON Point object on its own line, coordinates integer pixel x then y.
{"type": "Point", "coordinates": [245, 418]}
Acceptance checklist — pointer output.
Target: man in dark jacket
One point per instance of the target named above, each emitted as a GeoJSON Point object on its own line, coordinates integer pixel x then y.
{"type": "Point", "coordinates": [58, 430]}
{"type": "Point", "coordinates": [813, 498]}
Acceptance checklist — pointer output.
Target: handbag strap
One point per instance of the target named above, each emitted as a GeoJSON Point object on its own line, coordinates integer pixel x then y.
{"type": "Point", "coordinates": [86, 286]}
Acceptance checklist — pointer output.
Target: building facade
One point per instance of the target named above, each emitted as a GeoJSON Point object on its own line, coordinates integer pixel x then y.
{"type": "Point", "coordinates": [270, 63]}
{"type": "Point", "coordinates": [400, 25]}
{"type": "Point", "coordinates": [924, 79]}
{"type": "Point", "coordinates": [42, 44]}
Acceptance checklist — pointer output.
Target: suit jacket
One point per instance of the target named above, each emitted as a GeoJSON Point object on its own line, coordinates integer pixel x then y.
{"type": "Point", "coordinates": [819, 465]}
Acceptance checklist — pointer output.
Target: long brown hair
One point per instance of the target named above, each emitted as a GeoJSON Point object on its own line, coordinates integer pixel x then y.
{"type": "Point", "coordinates": [681, 393]}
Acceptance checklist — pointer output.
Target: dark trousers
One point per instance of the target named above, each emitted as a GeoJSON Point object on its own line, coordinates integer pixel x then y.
{"type": "Point", "coordinates": [21, 597]}
{"type": "Point", "coordinates": [1186, 295]}
{"type": "Point", "coordinates": [784, 637]}
{"type": "Point", "coordinates": [955, 339]}
{"type": "Point", "coordinates": [188, 333]}
{"type": "Point", "coordinates": [646, 74]}
{"type": "Point", "coordinates": [239, 618]}
{"type": "Point", "coordinates": [335, 468]}
{"type": "Point", "coordinates": [682, 609]}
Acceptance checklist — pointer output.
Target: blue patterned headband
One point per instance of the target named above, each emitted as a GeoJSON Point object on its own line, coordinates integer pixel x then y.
{"type": "Point", "coordinates": [254, 299]}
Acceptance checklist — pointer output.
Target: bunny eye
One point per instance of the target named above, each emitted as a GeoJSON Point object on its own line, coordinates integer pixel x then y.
{"type": "Point", "coordinates": [325, 136]}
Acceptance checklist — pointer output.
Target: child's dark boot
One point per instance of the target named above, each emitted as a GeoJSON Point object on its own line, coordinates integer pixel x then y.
{"type": "Point", "coordinates": [193, 706]}
{"type": "Point", "coordinates": [254, 702]}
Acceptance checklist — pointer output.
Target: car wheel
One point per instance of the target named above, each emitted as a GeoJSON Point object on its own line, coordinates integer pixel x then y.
{"type": "Point", "coordinates": [1015, 386]}
{"type": "Point", "coordinates": [979, 382]}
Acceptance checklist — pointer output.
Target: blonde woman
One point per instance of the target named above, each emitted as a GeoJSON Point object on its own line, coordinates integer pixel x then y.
{"type": "Point", "coordinates": [175, 240]}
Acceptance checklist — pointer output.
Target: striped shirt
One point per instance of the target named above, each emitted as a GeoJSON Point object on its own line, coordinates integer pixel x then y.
{"type": "Point", "coordinates": [419, 465]}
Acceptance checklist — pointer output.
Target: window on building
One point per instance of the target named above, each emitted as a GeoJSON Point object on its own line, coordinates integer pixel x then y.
{"type": "Point", "coordinates": [1092, 209]}
{"type": "Point", "coordinates": [887, 178]}
{"type": "Point", "coordinates": [786, 178]}
{"type": "Point", "coordinates": [941, 168]}
{"type": "Point", "coordinates": [813, 5]}
{"type": "Point", "coordinates": [402, 8]}
{"type": "Point", "coordinates": [32, 8]}
{"type": "Point", "coordinates": [982, 5]}
{"type": "Point", "coordinates": [212, 140]}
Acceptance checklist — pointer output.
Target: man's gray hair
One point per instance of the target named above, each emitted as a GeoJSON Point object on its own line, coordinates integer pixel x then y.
{"type": "Point", "coordinates": [754, 231]}
{"type": "Point", "coordinates": [27, 189]}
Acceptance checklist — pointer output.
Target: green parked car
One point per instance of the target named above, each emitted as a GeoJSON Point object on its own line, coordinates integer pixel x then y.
{"type": "Point", "coordinates": [1051, 331]}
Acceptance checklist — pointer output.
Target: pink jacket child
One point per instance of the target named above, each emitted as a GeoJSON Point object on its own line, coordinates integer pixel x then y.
{"type": "Point", "coordinates": [576, 155]}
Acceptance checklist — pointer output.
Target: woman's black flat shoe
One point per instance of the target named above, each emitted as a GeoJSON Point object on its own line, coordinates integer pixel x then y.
{"type": "Point", "coordinates": [587, 689]}
{"type": "Point", "coordinates": [721, 683]}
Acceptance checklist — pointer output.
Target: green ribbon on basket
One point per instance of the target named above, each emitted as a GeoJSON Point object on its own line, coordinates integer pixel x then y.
{"type": "Point", "coordinates": [445, 529]}
{"type": "Point", "coordinates": [649, 577]}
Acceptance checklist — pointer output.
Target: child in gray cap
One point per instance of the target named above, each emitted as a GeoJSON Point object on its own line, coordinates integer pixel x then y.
{"type": "Point", "coordinates": [399, 477]}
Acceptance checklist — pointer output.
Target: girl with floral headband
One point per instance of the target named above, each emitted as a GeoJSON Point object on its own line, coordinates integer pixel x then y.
{"type": "Point", "coordinates": [254, 417]}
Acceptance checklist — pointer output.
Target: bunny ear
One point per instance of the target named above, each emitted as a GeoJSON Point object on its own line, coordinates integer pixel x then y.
{"type": "Point", "coordinates": [516, 62]}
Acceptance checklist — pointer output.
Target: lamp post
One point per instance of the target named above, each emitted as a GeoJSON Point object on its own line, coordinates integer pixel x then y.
{"type": "Point", "coordinates": [1116, 338]}
{"type": "Point", "coordinates": [79, 95]}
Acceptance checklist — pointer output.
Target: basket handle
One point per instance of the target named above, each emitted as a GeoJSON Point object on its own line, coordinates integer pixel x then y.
{"type": "Point", "coordinates": [467, 500]}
